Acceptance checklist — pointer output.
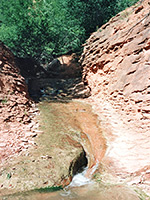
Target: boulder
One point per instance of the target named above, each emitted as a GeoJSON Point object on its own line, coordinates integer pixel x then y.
{"type": "Point", "coordinates": [53, 66]}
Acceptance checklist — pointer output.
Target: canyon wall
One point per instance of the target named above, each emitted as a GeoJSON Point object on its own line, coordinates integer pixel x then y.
{"type": "Point", "coordinates": [116, 66]}
{"type": "Point", "coordinates": [16, 108]}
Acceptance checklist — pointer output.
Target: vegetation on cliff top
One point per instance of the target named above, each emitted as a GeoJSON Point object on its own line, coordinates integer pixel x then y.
{"type": "Point", "coordinates": [40, 28]}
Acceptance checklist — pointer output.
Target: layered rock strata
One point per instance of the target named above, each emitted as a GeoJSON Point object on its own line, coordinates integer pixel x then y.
{"type": "Point", "coordinates": [16, 108]}
{"type": "Point", "coordinates": [116, 66]}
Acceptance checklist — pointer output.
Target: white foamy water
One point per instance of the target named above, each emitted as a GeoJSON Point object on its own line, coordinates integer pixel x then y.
{"type": "Point", "coordinates": [77, 181]}
{"type": "Point", "coordinates": [80, 179]}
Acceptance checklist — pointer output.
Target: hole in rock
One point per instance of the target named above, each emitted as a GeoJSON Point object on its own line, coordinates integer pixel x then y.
{"type": "Point", "coordinates": [78, 164]}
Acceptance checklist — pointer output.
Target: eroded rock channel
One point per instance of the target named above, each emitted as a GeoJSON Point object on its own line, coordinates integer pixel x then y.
{"type": "Point", "coordinates": [67, 138]}
{"type": "Point", "coordinates": [71, 139]}
{"type": "Point", "coordinates": [60, 145]}
{"type": "Point", "coordinates": [58, 152]}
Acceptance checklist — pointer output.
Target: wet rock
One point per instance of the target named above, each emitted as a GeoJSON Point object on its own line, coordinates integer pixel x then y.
{"type": "Point", "coordinates": [55, 156]}
{"type": "Point", "coordinates": [78, 164]}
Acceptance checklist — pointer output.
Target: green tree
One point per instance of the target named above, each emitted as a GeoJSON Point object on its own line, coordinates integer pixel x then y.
{"type": "Point", "coordinates": [94, 13]}
{"type": "Point", "coordinates": [40, 28]}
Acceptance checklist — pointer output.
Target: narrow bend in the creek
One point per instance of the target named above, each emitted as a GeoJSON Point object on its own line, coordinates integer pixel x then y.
{"type": "Point", "coordinates": [91, 134]}
{"type": "Point", "coordinates": [78, 115]}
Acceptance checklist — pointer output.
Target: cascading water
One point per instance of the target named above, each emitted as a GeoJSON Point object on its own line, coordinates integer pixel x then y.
{"type": "Point", "coordinates": [80, 179]}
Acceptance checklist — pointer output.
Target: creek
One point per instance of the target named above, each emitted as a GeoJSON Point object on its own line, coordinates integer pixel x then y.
{"type": "Point", "coordinates": [80, 188]}
{"type": "Point", "coordinates": [69, 125]}
{"type": "Point", "coordinates": [77, 114]}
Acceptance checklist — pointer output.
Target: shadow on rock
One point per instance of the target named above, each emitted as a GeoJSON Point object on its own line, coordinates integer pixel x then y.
{"type": "Point", "coordinates": [59, 80]}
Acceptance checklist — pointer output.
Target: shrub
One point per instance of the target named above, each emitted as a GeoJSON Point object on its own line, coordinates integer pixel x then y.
{"type": "Point", "coordinates": [41, 28]}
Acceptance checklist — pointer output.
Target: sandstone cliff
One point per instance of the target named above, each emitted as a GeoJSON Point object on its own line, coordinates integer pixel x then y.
{"type": "Point", "coordinates": [116, 66]}
{"type": "Point", "coordinates": [15, 106]}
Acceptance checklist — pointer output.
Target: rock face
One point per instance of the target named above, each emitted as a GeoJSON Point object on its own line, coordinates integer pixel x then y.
{"type": "Point", "coordinates": [116, 66]}
{"type": "Point", "coordinates": [15, 106]}
{"type": "Point", "coordinates": [26, 161]}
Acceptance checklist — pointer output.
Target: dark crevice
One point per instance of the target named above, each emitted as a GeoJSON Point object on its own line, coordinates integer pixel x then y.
{"type": "Point", "coordinates": [126, 85]}
{"type": "Point", "coordinates": [135, 61]}
{"type": "Point", "coordinates": [78, 164]}
{"type": "Point", "coordinates": [144, 41]}
{"type": "Point", "coordinates": [136, 52]}
{"type": "Point", "coordinates": [139, 91]}
{"type": "Point", "coordinates": [132, 72]}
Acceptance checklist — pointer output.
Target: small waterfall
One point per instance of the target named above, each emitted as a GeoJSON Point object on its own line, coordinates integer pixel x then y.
{"type": "Point", "coordinates": [84, 177]}
{"type": "Point", "coordinates": [80, 179]}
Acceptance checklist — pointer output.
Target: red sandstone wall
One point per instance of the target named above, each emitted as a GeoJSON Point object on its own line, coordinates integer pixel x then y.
{"type": "Point", "coordinates": [14, 98]}
{"type": "Point", "coordinates": [116, 66]}
{"type": "Point", "coordinates": [116, 63]}
{"type": "Point", "coordinates": [16, 109]}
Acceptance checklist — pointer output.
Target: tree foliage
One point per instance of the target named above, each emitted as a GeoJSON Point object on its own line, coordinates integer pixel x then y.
{"type": "Point", "coordinates": [40, 28]}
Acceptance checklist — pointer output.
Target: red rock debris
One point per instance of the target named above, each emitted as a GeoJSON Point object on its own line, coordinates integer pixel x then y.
{"type": "Point", "coordinates": [16, 109]}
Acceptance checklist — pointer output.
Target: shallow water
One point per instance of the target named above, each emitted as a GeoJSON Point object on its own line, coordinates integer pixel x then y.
{"type": "Point", "coordinates": [90, 191]}
{"type": "Point", "coordinates": [79, 116]}
{"type": "Point", "coordinates": [81, 188]}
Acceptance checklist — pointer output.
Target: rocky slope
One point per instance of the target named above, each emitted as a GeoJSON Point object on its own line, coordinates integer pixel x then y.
{"type": "Point", "coordinates": [16, 109]}
{"type": "Point", "coordinates": [116, 66]}
{"type": "Point", "coordinates": [56, 149]}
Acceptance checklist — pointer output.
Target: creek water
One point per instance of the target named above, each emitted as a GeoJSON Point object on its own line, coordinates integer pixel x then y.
{"type": "Point", "coordinates": [82, 186]}
{"type": "Point", "coordinates": [77, 115]}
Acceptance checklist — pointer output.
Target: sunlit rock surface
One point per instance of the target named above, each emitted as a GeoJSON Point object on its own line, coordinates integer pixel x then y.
{"type": "Point", "coordinates": [16, 108]}
{"type": "Point", "coordinates": [116, 66]}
